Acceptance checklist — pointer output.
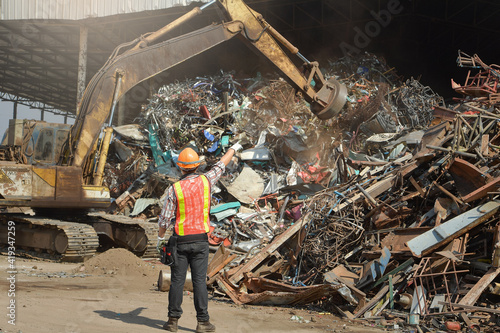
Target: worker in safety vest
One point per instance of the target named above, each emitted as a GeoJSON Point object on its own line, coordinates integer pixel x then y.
{"type": "Point", "coordinates": [186, 210]}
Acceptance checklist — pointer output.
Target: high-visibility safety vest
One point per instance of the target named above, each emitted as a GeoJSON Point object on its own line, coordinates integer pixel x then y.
{"type": "Point", "coordinates": [193, 206]}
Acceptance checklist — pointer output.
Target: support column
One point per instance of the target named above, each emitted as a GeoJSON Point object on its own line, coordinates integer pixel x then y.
{"type": "Point", "coordinates": [42, 114]}
{"type": "Point", "coordinates": [14, 113]}
{"type": "Point", "coordinates": [82, 65]}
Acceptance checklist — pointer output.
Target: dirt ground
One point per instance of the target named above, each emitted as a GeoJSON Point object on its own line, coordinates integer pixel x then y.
{"type": "Point", "coordinates": [116, 292]}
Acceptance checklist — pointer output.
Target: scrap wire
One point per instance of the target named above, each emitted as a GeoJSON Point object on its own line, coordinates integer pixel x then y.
{"type": "Point", "coordinates": [330, 235]}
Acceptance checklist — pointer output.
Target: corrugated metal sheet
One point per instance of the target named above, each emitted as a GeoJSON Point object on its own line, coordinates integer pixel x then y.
{"type": "Point", "coordinates": [79, 9]}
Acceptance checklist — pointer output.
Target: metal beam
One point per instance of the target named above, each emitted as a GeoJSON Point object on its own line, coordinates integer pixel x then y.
{"type": "Point", "coordinates": [32, 104]}
{"type": "Point", "coordinates": [14, 113]}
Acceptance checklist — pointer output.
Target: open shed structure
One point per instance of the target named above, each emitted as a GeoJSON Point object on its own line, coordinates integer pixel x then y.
{"type": "Point", "coordinates": [49, 49]}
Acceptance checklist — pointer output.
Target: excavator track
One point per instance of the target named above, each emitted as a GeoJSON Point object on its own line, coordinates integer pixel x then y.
{"type": "Point", "coordinates": [76, 241]}
{"type": "Point", "coordinates": [136, 235]}
{"type": "Point", "coordinates": [62, 240]}
{"type": "Point", "coordinates": [151, 230]}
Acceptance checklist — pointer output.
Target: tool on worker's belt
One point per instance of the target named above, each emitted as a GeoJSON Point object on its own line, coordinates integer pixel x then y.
{"type": "Point", "coordinates": [168, 251]}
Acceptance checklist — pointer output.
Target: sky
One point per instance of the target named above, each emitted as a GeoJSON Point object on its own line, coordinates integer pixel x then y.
{"type": "Point", "coordinates": [24, 112]}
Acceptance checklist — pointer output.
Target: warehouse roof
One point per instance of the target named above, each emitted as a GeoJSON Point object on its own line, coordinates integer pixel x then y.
{"type": "Point", "coordinates": [79, 9]}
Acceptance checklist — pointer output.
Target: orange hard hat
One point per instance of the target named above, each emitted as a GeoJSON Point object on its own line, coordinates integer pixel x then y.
{"type": "Point", "coordinates": [188, 159]}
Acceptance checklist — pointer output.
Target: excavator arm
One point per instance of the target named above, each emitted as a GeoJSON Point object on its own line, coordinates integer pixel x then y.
{"type": "Point", "coordinates": [146, 58]}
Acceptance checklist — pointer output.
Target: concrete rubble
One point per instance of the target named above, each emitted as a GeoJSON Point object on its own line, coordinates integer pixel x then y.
{"type": "Point", "coordinates": [387, 215]}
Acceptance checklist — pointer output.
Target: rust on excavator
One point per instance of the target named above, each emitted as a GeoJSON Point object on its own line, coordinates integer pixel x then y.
{"type": "Point", "coordinates": [48, 186]}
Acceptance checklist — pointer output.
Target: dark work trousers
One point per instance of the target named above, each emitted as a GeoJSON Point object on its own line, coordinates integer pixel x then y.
{"type": "Point", "coordinates": [196, 256]}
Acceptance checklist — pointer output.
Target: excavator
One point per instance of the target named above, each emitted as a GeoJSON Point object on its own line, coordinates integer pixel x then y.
{"type": "Point", "coordinates": [57, 170]}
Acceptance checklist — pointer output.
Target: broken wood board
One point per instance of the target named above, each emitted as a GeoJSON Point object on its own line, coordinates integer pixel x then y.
{"type": "Point", "coordinates": [220, 259]}
{"type": "Point", "coordinates": [473, 294]}
{"type": "Point", "coordinates": [446, 232]}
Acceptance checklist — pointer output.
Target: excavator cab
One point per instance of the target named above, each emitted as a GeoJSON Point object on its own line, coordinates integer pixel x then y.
{"type": "Point", "coordinates": [34, 142]}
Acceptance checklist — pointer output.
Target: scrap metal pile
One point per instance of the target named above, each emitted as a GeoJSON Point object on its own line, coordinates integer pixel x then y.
{"type": "Point", "coordinates": [387, 214]}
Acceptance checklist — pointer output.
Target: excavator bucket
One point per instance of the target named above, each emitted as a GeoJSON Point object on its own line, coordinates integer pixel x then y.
{"type": "Point", "coordinates": [330, 100]}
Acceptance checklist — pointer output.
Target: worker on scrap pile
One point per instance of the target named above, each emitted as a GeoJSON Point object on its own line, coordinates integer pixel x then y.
{"type": "Point", "coordinates": [186, 210]}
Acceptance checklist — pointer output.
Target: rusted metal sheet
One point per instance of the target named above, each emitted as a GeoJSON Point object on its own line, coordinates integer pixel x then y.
{"type": "Point", "coordinates": [15, 181]}
{"type": "Point", "coordinates": [247, 186]}
{"type": "Point", "coordinates": [468, 177]}
{"type": "Point", "coordinates": [270, 292]}
{"type": "Point", "coordinates": [220, 259]}
{"type": "Point", "coordinates": [482, 191]}
{"type": "Point", "coordinates": [443, 208]}
{"type": "Point", "coordinates": [396, 240]}
{"type": "Point", "coordinates": [340, 272]}
{"type": "Point", "coordinates": [444, 113]}
{"type": "Point", "coordinates": [69, 184]}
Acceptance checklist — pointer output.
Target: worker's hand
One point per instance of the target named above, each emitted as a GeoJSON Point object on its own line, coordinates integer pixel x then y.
{"type": "Point", "coordinates": [237, 147]}
{"type": "Point", "coordinates": [159, 244]}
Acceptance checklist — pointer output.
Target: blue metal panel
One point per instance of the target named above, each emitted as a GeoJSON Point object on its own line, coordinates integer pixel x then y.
{"type": "Point", "coordinates": [451, 229]}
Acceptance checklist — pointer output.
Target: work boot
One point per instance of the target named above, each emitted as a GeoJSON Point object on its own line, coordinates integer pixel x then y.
{"type": "Point", "coordinates": [171, 324]}
{"type": "Point", "coordinates": [205, 326]}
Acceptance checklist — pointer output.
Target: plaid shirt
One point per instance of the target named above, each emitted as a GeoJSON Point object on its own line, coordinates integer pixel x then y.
{"type": "Point", "coordinates": [167, 217]}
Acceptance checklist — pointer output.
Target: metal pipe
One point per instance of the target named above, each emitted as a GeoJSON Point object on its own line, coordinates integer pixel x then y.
{"type": "Point", "coordinates": [448, 150]}
{"type": "Point", "coordinates": [302, 57]}
{"type": "Point", "coordinates": [165, 279]}
{"type": "Point", "coordinates": [153, 37]}
{"type": "Point", "coordinates": [108, 131]}
{"type": "Point", "coordinates": [208, 4]}
{"type": "Point", "coordinates": [115, 98]}
{"type": "Point", "coordinates": [279, 37]}
{"type": "Point", "coordinates": [367, 195]}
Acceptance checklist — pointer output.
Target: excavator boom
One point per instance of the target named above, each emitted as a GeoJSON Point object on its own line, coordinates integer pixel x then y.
{"type": "Point", "coordinates": [143, 60]}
